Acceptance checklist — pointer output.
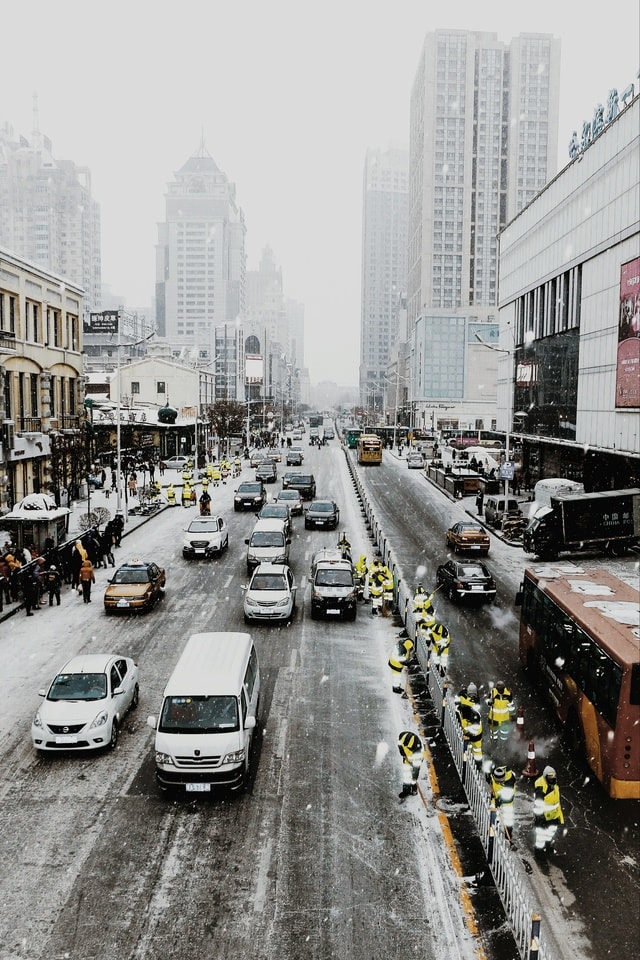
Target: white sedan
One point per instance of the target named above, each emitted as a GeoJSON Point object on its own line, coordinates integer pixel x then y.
{"type": "Point", "coordinates": [85, 704]}
{"type": "Point", "coordinates": [271, 593]}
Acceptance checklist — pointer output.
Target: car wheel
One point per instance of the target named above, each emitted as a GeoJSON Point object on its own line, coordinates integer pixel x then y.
{"type": "Point", "coordinates": [113, 740]}
{"type": "Point", "coordinates": [135, 699]}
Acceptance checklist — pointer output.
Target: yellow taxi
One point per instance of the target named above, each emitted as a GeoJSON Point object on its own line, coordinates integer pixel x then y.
{"type": "Point", "coordinates": [135, 585]}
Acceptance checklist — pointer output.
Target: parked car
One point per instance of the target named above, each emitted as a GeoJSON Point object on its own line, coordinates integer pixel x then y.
{"type": "Point", "coordinates": [468, 535]}
{"type": "Point", "coordinates": [293, 499]}
{"type": "Point", "coordinates": [466, 579]}
{"type": "Point", "coordinates": [270, 594]}
{"type": "Point", "coordinates": [277, 511]}
{"type": "Point", "coordinates": [295, 458]}
{"type": "Point", "coordinates": [205, 537]}
{"type": "Point", "coordinates": [84, 706]}
{"type": "Point", "coordinates": [250, 495]}
{"type": "Point", "coordinates": [176, 463]}
{"type": "Point", "coordinates": [95, 480]}
{"type": "Point", "coordinates": [136, 585]}
{"type": "Point", "coordinates": [494, 509]}
{"type": "Point", "coordinates": [267, 471]}
{"type": "Point", "coordinates": [415, 460]}
{"type": "Point", "coordinates": [322, 513]}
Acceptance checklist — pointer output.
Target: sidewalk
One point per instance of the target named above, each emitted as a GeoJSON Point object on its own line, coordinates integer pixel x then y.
{"type": "Point", "coordinates": [99, 498]}
{"type": "Point", "coordinates": [469, 503]}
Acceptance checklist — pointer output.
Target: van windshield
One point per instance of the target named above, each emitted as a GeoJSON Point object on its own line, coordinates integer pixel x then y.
{"type": "Point", "coordinates": [334, 578]}
{"type": "Point", "coordinates": [199, 715]}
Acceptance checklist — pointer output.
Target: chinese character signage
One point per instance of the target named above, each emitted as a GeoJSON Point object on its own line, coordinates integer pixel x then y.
{"type": "Point", "coordinates": [105, 322]}
{"type": "Point", "coordinates": [628, 360]}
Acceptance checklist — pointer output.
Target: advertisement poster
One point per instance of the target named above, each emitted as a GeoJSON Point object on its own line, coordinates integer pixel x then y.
{"type": "Point", "coordinates": [628, 362]}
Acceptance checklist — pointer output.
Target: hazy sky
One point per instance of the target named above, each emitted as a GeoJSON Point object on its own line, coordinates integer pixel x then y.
{"type": "Point", "coordinates": [288, 95]}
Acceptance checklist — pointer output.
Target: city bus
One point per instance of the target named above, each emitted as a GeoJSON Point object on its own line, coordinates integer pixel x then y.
{"type": "Point", "coordinates": [459, 439]}
{"type": "Point", "coordinates": [352, 435]}
{"type": "Point", "coordinates": [579, 638]}
{"type": "Point", "coordinates": [369, 448]}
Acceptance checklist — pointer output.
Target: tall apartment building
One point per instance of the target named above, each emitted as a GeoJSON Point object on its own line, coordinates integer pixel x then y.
{"type": "Point", "coordinates": [200, 257]}
{"type": "Point", "coordinates": [483, 143]}
{"type": "Point", "coordinates": [47, 213]}
{"type": "Point", "coordinates": [385, 220]}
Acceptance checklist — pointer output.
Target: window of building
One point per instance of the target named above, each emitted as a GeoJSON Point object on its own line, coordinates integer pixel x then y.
{"type": "Point", "coordinates": [160, 387]}
{"type": "Point", "coordinates": [135, 386]}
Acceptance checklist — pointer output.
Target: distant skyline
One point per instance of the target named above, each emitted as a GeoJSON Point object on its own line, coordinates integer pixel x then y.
{"type": "Point", "coordinates": [287, 96]}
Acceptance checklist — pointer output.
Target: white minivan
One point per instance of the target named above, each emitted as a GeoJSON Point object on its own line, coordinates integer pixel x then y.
{"type": "Point", "coordinates": [268, 543]}
{"type": "Point", "coordinates": [209, 712]}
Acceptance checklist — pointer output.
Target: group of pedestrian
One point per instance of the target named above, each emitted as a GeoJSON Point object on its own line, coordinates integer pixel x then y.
{"type": "Point", "coordinates": [31, 577]}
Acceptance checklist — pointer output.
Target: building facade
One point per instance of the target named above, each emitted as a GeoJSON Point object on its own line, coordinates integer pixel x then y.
{"type": "Point", "coordinates": [385, 209]}
{"type": "Point", "coordinates": [42, 413]}
{"type": "Point", "coordinates": [47, 213]}
{"type": "Point", "coordinates": [200, 257]}
{"type": "Point", "coordinates": [570, 315]}
{"type": "Point", "coordinates": [483, 143]}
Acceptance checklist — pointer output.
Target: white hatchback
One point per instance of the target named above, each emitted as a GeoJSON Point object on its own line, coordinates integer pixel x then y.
{"type": "Point", "coordinates": [86, 702]}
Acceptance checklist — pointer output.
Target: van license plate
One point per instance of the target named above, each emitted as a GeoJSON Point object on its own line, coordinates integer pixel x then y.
{"type": "Point", "coordinates": [333, 610]}
{"type": "Point", "coordinates": [122, 603]}
{"type": "Point", "coordinates": [198, 787]}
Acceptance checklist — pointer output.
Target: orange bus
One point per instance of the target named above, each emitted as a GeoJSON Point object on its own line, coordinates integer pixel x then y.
{"type": "Point", "coordinates": [369, 448]}
{"type": "Point", "coordinates": [580, 638]}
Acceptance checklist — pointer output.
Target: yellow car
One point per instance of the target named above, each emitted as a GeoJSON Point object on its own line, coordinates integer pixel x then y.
{"type": "Point", "coordinates": [136, 585]}
{"type": "Point", "coordinates": [468, 537]}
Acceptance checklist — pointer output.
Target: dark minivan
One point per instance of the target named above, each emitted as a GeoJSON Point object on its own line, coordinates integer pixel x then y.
{"type": "Point", "coordinates": [305, 483]}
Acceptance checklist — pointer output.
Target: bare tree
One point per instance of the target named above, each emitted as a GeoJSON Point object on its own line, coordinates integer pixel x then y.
{"type": "Point", "coordinates": [227, 418]}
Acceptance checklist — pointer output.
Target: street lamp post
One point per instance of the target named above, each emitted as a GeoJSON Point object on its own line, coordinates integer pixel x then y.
{"type": "Point", "coordinates": [507, 469]}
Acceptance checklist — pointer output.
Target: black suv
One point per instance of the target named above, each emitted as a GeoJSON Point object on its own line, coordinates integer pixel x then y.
{"type": "Point", "coordinates": [250, 495]}
{"type": "Point", "coordinates": [266, 471]}
{"type": "Point", "coordinates": [304, 482]}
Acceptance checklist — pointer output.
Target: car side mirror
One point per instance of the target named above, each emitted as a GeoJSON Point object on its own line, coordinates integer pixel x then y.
{"type": "Point", "coordinates": [519, 596]}
{"type": "Point", "coordinates": [249, 722]}
{"type": "Point", "coordinates": [246, 540]}
{"type": "Point", "coordinates": [288, 539]}
{"type": "Point", "coordinates": [152, 722]}
{"type": "Point", "coordinates": [118, 692]}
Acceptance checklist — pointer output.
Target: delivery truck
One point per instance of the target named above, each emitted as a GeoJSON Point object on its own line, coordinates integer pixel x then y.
{"type": "Point", "coordinates": [607, 521]}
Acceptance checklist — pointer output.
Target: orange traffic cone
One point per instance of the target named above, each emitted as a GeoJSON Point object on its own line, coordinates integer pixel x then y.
{"type": "Point", "coordinates": [520, 722]}
{"type": "Point", "coordinates": [530, 769]}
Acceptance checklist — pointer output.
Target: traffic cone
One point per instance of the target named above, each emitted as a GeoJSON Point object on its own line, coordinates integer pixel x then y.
{"type": "Point", "coordinates": [530, 769]}
{"type": "Point", "coordinates": [520, 722]}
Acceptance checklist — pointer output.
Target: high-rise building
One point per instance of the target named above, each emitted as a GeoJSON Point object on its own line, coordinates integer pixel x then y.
{"type": "Point", "coordinates": [200, 257]}
{"type": "Point", "coordinates": [47, 213]}
{"type": "Point", "coordinates": [385, 212]}
{"type": "Point", "coordinates": [483, 143]}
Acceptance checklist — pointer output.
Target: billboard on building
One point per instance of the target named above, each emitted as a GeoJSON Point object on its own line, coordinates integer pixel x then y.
{"type": "Point", "coordinates": [254, 368]}
{"type": "Point", "coordinates": [628, 360]}
{"type": "Point", "coordinates": [104, 322]}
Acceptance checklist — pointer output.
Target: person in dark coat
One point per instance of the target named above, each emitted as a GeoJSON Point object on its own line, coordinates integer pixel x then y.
{"type": "Point", "coordinates": [53, 583]}
{"type": "Point", "coordinates": [78, 555]}
{"type": "Point", "coordinates": [30, 592]}
{"type": "Point", "coordinates": [106, 546]}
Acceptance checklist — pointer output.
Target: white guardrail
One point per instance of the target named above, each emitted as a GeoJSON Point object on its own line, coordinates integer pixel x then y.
{"type": "Point", "coordinates": [508, 875]}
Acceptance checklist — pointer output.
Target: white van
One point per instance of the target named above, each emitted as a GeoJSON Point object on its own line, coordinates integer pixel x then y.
{"type": "Point", "coordinates": [268, 543]}
{"type": "Point", "coordinates": [209, 711]}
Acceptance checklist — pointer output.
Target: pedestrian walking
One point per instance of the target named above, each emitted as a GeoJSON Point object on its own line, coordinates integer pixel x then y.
{"type": "Point", "coordinates": [133, 485]}
{"type": "Point", "coordinates": [106, 543]}
{"type": "Point", "coordinates": [479, 502]}
{"type": "Point", "coordinates": [87, 577]}
{"type": "Point", "coordinates": [53, 583]}
{"type": "Point", "coordinates": [114, 480]}
{"type": "Point", "coordinates": [547, 811]}
{"type": "Point", "coordinates": [152, 471]}
{"type": "Point", "coordinates": [118, 527]}
{"type": "Point", "coordinates": [162, 467]}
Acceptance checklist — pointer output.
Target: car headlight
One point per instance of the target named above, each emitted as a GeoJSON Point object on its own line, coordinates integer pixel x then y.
{"type": "Point", "coordinates": [164, 758]}
{"type": "Point", "coordinates": [37, 721]}
{"type": "Point", "coordinates": [283, 603]}
{"type": "Point", "coordinates": [236, 757]}
{"type": "Point", "coordinates": [100, 720]}
{"type": "Point", "coordinates": [250, 602]}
